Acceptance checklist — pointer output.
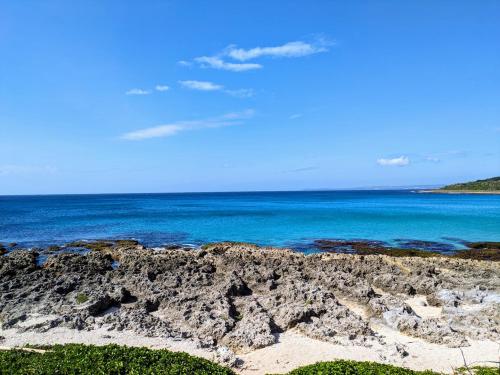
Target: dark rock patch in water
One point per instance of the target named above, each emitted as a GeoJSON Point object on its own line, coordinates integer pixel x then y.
{"type": "Point", "coordinates": [440, 247]}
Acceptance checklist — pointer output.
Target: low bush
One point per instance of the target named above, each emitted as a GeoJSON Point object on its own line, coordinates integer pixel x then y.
{"type": "Point", "coordinates": [477, 370]}
{"type": "Point", "coordinates": [109, 359]}
{"type": "Point", "coordinates": [341, 367]}
{"type": "Point", "coordinates": [117, 360]}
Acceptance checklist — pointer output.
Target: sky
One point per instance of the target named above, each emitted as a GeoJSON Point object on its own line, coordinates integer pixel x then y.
{"type": "Point", "coordinates": [173, 96]}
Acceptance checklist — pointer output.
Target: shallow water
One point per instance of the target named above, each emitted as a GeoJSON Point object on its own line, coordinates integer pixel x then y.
{"type": "Point", "coordinates": [270, 218]}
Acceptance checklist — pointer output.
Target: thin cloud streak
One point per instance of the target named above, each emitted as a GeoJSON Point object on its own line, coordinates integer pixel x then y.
{"type": "Point", "coordinates": [303, 169]}
{"type": "Point", "coordinates": [15, 169]}
{"type": "Point", "coordinates": [291, 49]}
{"type": "Point", "coordinates": [241, 55]}
{"type": "Point", "coordinates": [210, 86]}
{"type": "Point", "coordinates": [138, 92]}
{"type": "Point", "coordinates": [218, 63]}
{"type": "Point", "coordinates": [201, 85]}
{"type": "Point", "coordinates": [394, 162]}
{"type": "Point", "coordinates": [167, 130]}
{"type": "Point", "coordinates": [162, 88]}
{"type": "Point", "coordinates": [240, 93]}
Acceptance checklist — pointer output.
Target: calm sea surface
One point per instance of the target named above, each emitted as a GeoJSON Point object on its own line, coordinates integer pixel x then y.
{"type": "Point", "coordinates": [271, 218]}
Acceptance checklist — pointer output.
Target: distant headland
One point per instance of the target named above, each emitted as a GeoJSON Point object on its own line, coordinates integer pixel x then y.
{"type": "Point", "coordinates": [486, 186]}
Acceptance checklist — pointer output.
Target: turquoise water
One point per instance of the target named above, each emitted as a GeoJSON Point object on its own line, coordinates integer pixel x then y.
{"type": "Point", "coordinates": [270, 218]}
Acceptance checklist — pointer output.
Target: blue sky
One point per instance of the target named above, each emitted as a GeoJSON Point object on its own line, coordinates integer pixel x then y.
{"type": "Point", "coordinates": [160, 96]}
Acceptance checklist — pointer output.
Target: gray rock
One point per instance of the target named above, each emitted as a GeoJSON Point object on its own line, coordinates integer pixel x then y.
{"type": "Point", "coordinates": [242, 296]}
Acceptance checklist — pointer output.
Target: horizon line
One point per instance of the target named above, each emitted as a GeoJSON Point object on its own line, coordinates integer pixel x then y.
{"type": "Point", "coordinates": [368, 188]}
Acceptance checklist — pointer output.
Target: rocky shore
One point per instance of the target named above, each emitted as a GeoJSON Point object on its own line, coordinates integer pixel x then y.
{"type": "Point", "coordinates": [233, 299]}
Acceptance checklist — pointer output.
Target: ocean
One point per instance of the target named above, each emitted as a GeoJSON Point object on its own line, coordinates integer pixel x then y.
{"type": "Point", "coordinates": [292, 219]}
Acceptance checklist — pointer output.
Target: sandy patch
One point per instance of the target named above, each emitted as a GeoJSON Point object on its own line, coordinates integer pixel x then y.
{"type": "Point", "coordinates": [294, 350]}
{"type": "Point", "coordinates": [421, 307]}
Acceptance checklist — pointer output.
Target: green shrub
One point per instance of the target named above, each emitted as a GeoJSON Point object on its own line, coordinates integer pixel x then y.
{"type": "Point", "coordinates": [341, 367]}
{"type": "Point", "coordinates": [117, 360]}
{"type": "Point", "coordinates": [109, 359]}
{"type": "Point", "coordinates": [478, 370]}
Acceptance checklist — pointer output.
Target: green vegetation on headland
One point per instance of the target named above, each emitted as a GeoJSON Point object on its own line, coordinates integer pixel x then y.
{"type": "Point", "coordinates": [489, 185]}
{"type": "Point", "coordinates": [115, 359]}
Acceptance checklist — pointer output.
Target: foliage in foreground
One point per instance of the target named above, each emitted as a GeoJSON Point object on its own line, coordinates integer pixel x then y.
{"type": "Point", "coordinates": [341, 367]}
{"type": "Point", "coordinates": [109, 359]}
{"type": "Point", "coordinates": [478, 370]}
{"type": "Point", "coordinates": [114, 359]}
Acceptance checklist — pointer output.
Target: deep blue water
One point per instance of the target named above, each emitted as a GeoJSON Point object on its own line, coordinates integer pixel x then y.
{"type": "Point", "coordinates": [271, 218]}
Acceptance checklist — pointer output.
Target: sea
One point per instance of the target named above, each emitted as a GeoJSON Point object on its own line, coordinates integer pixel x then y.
{"type": "Point", "coordinates": [286, 219]}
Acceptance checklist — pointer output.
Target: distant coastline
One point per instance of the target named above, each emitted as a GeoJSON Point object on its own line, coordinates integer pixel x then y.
{"type": "Point", "coordinates": [440, 191]}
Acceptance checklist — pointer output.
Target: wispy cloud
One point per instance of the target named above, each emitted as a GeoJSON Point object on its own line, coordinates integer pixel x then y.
{"type": "Point", "coordinates": [162, 88]}
{"type": "Point", "coordinates": [210, 86]}
{"type": "Point", "coordinates": [240, 93]}
{"type": "Point", "coordinates": [299, 170]}
{"type": "Point", "coordinates": [15, 169]}
{"type": "Point", "coordinates": [291, 49]}
{"type": "Point", "coordinates": [432, 159]}
{"type": "Point", "coordinates": [184, 63]}
{"type": "Point", "coordinates": [201, 85]}
{"type": "Point", "coordinates": [138, 92]}
{"type": "Point", "coordinates": [239, 56]}
{"type": "Point", "coordinates": [394, 162]}
{"type": "Point", "coordinates": [217, 63]}
{"type": "Point", "coordinates": [295, 116]}
{"type": "Point", "coordinates": [167, 130]}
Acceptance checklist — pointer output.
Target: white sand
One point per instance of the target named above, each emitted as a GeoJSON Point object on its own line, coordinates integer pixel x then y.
{"type": "Point", "coordinates": [294, 350]}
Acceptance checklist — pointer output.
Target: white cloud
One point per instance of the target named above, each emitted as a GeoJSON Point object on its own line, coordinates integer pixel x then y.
{"type": "Point", "coordinates": [184, 63]}
{"type": "Point", "coordinates": [291, 49]}
{"type": "Point", "coordinates": [218, 63]}
{"type": "Point", "coordinates": [14, 169]}
{"type": "Point", "coordinates": [167, 130]}
{"type": "Point", "coordinates": [398, 162]}
{"type": "Point", "coordinates": [432, 159]}
{"type": "Point", "coordinates": [210, 86]}
{"type": "Point", "coordinates": [247, 113]}
{"type": "Point", "coordinates": [138, 92]}
{"type": "Point", "coordinates": [295, 116]}
{"type": "Point", "coordinates": [303, 169]}
{"type": "Point", "coordinates": [162, 88]}
{"type": "Point", "coordinates": [240, 93]}
{"type": "Point", "coordinates": [201, 85]}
